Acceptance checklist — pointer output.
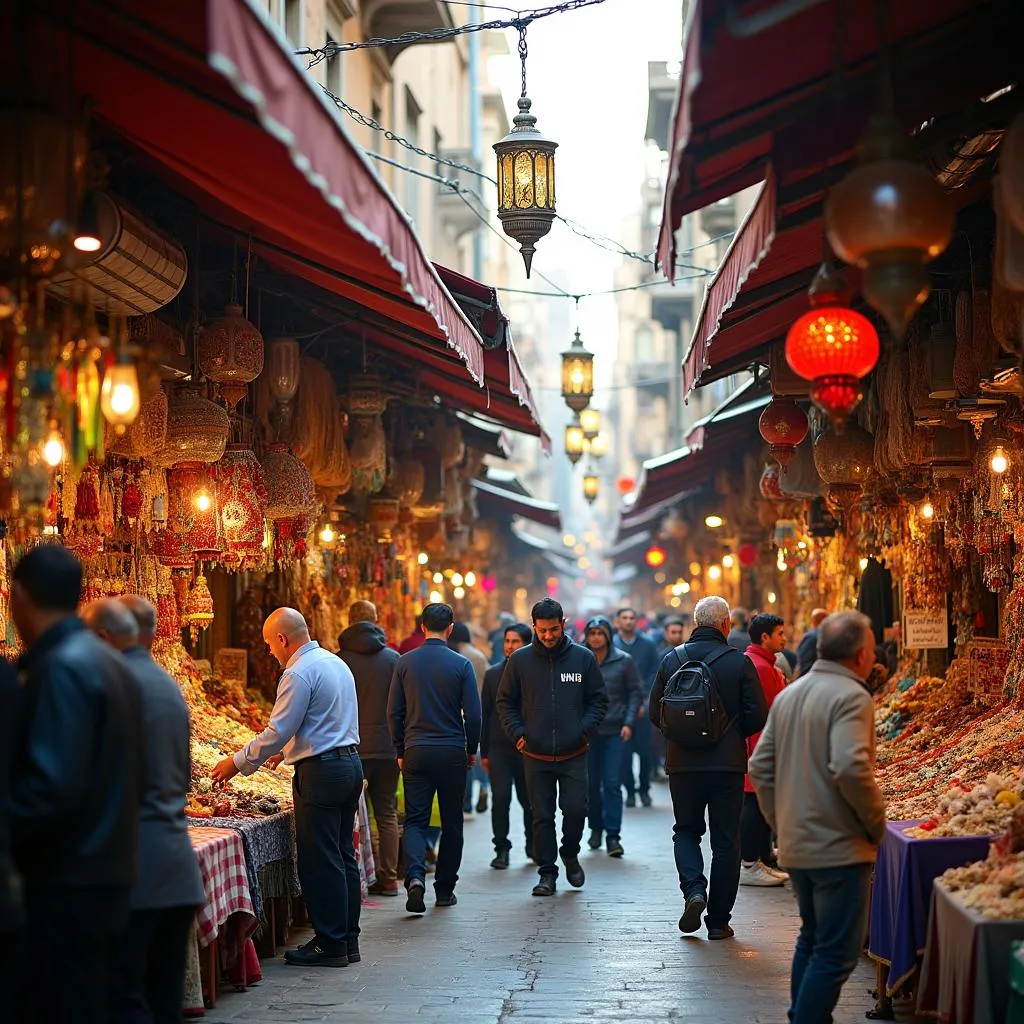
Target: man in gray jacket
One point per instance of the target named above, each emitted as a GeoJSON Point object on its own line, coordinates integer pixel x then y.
{"type": "Point", "coordinates": [364, 648]}
{"type": "Point", "coordinates": [814, 773]}
{"type": "Point", "coordinates": [148, 979]}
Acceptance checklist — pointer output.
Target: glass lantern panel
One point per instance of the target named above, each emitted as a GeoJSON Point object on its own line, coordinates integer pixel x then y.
{"type": "Point", "coordinates": [507, 201]}
{"type": "Point", "coordinates": [524, 181]}
{"type": "Point", "coordinates": [541, 166]}
{"type": "Point", "coordinates": [551, 180]}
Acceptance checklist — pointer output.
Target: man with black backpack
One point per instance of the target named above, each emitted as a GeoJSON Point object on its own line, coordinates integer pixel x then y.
{"type": "Point", "coordinates": [706, 700]}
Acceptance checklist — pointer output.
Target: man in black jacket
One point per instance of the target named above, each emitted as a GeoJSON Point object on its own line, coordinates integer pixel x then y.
{"type": "Point", "coordinates": [12, 915]}
{"type": "Point", "coordinates": [807, 652]}
{"type": "Point", "coordinates": [364, 648]}
{"type": "Point", "coordinates": [709, 780]}
{"type": "Point", "coordinates": [604, 760]}
{"type": "Point", "coordinates": [75, 794]}
{"type": "Point", "coordinates": [500, 759]}
{"type": "Point", "coordinates": [551, 700]}
{"type": "Point", "coordinates": [434, 714]}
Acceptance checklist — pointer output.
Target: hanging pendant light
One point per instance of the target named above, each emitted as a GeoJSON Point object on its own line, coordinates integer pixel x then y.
{"type": "Point", "coordinates": [783, 424]}
{"type": "Point", "coordinates": [526, 175]}
{"type": "Point", "coordinates": [591, 486]}
{"type": "Point", "coordinates": [833, 346]}
{"type": "Point", "coordinates": [590, 420]}
{"type": "Point", "coordinates": [574, 441]}
{"type": "Point", "coordinates": [577, 375]}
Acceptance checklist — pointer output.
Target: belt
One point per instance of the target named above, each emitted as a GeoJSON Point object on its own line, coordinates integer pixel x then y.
{"type": "Point", "coordinates": [329, 755]}
{"type": "Point", "coordinates": [556, 758]}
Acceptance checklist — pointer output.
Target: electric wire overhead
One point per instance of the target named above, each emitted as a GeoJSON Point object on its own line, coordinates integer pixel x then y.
{"type": "Point", "coordinates": [521, 19]}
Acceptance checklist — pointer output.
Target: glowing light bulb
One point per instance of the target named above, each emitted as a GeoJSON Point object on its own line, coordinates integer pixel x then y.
{"type": "Point", "coordinates": [471, 578]}
{"type": "Point", "coordinates": [714, 572]}
{"type": "Point", "coordinates": [327, 534]}
{"type": "Point", "coordinates": [53, 450]}
{"type": "Point", "coordinates": [676, 602]}
{"type": "Point", "coordinates": [928, 509]}
{"type": "Point", "coordinates": [713, 522]}
{"type": "Point", "coordinates": [119, 395]}
{"type": "Point", "coordinates": [459, 592]}
{"type": "Point", "coordinates": [695, 568]}
{"type": "Point", "coordinates": [780, 562]}
{"type": "Point", "coordinates": [999, 462]}
{"type": "Point", "coordinates": [203, 500]}
{"type": "Point", "coordinates": [457, 579]}
{"type": "Point", "coordinates": [422, 558]}
{"type": "Point", "coordinates": [569, 540]}
{"type": "Point", "coordinates": [436, 597]}
{"type": "Point", "coordinates": [728, 561]}
{"type": "Point", "coordinates": [684, 587]}
{"type": "Point", "coordinates": [863, 563]}
{"type": "Point", "coordinates": [772, 597]}
{"type": "Point", "coordinates": [439, 577]}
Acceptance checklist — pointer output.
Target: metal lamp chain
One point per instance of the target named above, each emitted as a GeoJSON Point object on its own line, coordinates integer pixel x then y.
{"type": "Point", "coordinates": [522, 50]}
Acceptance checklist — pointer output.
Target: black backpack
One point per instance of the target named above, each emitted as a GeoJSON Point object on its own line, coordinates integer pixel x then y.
{"type": "Point", "coordinates": [692, 712]}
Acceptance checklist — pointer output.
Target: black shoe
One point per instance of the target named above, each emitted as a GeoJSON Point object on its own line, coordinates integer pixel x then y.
{"type": "Point", "coordinates": [615, 848]}
{"type": "Point", "coordinates": [694, 907]}
{"type": "Point", "coordinates": [574, 872]}
{"type": "Point", "coordinates": [467, 806]}
{"type": "Point", "coordinates": [481, 804]}
{"type": "Point", "coordinates": [500, 860]}
{"type": "Point", "coordinates": [414, 901]}
{"type": "Point", "coordinates": [645, 799]}
{"type": "Point", "coordinates": [448, 900]}
{"type": "Point", "coordinates": [725, 932]}
{"type": "Point", "coordinates": [596, 838]}
{"type": "Point", "coordinates": [545, 887]}
{"type": "Point", "coordinates": [314, 955]}
{"type": "Point", "coordinates": [631, 800]}
{"type": "Point", "coordinates": [353, 951]}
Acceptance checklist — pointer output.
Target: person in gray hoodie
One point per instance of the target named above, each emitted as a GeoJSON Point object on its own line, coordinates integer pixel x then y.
{"type": "Point", "coordinates": [363, 647]}
{"type": "Point", "coordinates": [814, 772]}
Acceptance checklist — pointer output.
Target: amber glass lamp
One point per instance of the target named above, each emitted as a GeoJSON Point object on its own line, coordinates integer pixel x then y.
{"type": "Point", "coordinates": [577, 375]}
{"type": "Point", "coordinates": [590, 419]}
{"type": "Point", "coordinates": [575, 442]}
{"type": "Point", "coordinates": [591, 487]}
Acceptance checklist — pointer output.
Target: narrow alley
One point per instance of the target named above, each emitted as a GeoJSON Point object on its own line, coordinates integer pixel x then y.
{"type": "Point", "coordinates": [611, 951]}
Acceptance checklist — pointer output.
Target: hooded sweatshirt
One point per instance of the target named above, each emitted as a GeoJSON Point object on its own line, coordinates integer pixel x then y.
{"type": "Point", "coordinates": [772, 683]}
{"type": "Point", "coordinates": [364, 649]}
{"type": "Point", "coordinates": [554, 698]}
{"type": "Point", "coordinates": [621, 683]}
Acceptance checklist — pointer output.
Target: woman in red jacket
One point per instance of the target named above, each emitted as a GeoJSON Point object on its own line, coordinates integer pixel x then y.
{"type": "Point", "coordinates": [767, 639]}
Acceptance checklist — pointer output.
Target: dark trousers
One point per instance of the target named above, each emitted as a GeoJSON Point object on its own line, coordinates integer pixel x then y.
{"type": "Point", "coordinates": [755, 833]}
{"type": "Point", "coordinates": [506, 771]}
{"type": "Point", "coordinates": [382, 791]}
{"type": "Point", "coordinates": [84, 924]}
{"type": "Point", "coordinates": [604, 771]}
{"type": "Point", "coordinates": [719, 796]}
{"type": "Point", "coordinates": [148, 983]}
{"type": "Point", "coordinates": [566, 781]}
{"type": "Point", "coordinates": [426, 771]}
{"type": "Point", "coordinates": [834, 918]}
{"type": "Point", "coordinates": [326, 795]}
{"type": "Point", "coordinates": [639, 744]}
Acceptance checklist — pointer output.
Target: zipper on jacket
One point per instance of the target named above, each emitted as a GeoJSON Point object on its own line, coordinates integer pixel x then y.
{"type": "Point", "coordinates": [554, 713]}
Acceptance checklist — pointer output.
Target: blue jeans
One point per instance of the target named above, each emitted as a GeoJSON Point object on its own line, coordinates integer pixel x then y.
{"type": "Point", "coordinates": [604, 767]}
{"type": "Point", "coordinates": [834, 914]}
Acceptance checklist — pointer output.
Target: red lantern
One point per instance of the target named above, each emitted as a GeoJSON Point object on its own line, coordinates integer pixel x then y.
{"type": "Point", "coordinates": [231, 354]}
{"type": "Point", "coordinates": [655, 556]}
{"type": "Point", "coordinates": [625, 485]}
{"type": "Point", "coordinates": [771, 488]}
{"type": "Point", "coordinates": [192, 509]}
{"type": "Point", "coordinates": [243, 497]}
{"type": "Point", "coordinates": [290, 488]}
{"type": "Point", "coordinates": [833, 346]}
{"type": "Point", "coordinates": [747, 555]}
{"type": "Point", "coordinates": [783, 424]}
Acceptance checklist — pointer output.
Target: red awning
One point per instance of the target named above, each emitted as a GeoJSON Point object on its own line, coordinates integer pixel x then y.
{"type": "Point", "coordinates": [755, 85]}
{"type": "Point", "coordinates": [543, 512]}
{"type": "Point", "coordinates": [208, 90]}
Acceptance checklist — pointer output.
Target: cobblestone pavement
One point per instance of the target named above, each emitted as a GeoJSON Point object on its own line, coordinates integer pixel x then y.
{"type": "Point", "coordinates": [610, 951]}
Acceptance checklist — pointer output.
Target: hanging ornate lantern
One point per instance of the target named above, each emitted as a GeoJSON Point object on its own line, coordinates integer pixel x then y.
{"type": "Point", "coordinates": [590, 421]}
{"type": "Point", "coordinates": [192, 508]}
{"type": "Point", "coordinates": [407, 481]}
{"type": "Point", "coordinates": [574, 441]}
{"type": "Point", "coordinates": [591, 487]}
{"type": "Point", "coordinates": [783, 424]}
{"type": "Point", "coordinates": [577, 375]}
{"type": "Point", "coordinates": [284, 368]}
{"type": "Point", "coordinates": [148, 434]}
{"type": "Point", "coordinates": [833, 346]}
{"type": "Point", "coordinates": [290, 488]}
{"type": "Point", "coordinates": [198, 613]}
{"type": "Point", "coordinates": [368, 454]}
{"type": "Point", "coordinates": [383, 515]}
{"type": "Point", "coordinates": [197, 429]}
{"type": "Point", "coordinates": [242, 497]}
{"type": "Point", "coordinates": [769, 485]}
{"type": "Point", "coordinates": [844, 462]}
{"type": "Point", "coordinates": [891, 217]}
{"type": "Point", "coordinates": [366, 396]}
{"type": "Point", "coordinates": [231, 354]}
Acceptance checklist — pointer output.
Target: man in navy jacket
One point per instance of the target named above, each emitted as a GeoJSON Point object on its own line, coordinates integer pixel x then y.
{"type": "Point", "coordinates": [434, 716]}
{"type": "Point", "coordinates": [551, 700]}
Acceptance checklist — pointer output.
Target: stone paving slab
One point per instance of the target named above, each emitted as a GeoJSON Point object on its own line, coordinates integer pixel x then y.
{"type": "Point", "coordinates": [610, 951]}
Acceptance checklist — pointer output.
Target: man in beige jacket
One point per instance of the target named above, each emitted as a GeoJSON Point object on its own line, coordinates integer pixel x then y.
{"type": "Point", "coordinates": [814, 773]}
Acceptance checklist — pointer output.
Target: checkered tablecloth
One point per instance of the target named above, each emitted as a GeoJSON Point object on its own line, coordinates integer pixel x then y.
{"type": "Point", "coordinates": [222, 864]}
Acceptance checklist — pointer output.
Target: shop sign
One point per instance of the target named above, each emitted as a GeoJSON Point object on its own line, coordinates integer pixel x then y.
{"type": "Point", "coordinates": [926, 631]}
{"type": "Point", "coordinates": [987, 661]}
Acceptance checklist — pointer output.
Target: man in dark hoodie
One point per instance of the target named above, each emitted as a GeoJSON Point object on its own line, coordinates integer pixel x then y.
{"type": "Point", "coordinates": [502, 762]}
{"type": "Point", "coordinates": [364, 648]}
{"type": "Point", "coordinates": [707, 781]}
{"type": "Point", "coordinates": [551, 700]}
{"type": "Point", "coordinates": [604, 760]}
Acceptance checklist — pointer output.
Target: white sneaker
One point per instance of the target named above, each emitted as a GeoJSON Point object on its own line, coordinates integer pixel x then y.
{"type": "Point", "coordinates": [758, 874]}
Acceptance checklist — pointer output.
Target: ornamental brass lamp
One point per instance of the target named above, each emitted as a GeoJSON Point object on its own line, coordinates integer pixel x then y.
{"type": "Point", "coordinates": [526, 175]}
{"type": "Point", "coordinates": [574, 441]}
{"type": "Point", "coordinates": [590, 420]}
{"type": "Point", "coordinates": [577, 375]}
{"type": "Point", "coordinates": [591, 486]}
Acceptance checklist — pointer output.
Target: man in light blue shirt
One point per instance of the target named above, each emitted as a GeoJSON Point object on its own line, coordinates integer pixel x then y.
{"type": "Point", "coordinates": [314, 727]}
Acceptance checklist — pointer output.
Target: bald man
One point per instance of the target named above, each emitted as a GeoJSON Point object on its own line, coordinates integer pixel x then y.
{"type": "Point", "coordinates": [148, 980]}
{"type": "Point", "coordinates": [315, 725]}
{"type": "Point", "coordinates": [807, 652]}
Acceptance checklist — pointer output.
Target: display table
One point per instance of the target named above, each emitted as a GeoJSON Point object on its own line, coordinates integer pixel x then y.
{"type": "Point", "coordinates": [902, 892]}
{"type": "Point", "coordinates": [965, 977]}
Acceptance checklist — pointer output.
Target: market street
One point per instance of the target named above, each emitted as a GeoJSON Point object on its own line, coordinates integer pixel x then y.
{"type": "Point", "coordinates": [609, 951]}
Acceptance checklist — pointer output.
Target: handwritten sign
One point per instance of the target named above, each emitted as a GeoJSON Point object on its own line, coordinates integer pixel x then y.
{"type": "Point", "coordinates": [926, 631]}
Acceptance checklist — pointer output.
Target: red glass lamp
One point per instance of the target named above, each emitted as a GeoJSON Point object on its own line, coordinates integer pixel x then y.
{"type": "Point", "coordinates": [783, 424]}
{"type": "Point", "coordinates": [833, 346]}
{"type": "Point", "coordinates": [655, 556]}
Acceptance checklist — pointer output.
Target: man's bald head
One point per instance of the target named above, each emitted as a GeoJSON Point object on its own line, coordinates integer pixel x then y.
{"type": "Point", "coordinates": [284, 632]}
{"type": "Point", "coordinates": [362, 611]}
{"type": "Point", "coordinates": [145, 617]}
{"type": "Point", "coordinates": [110, 620]}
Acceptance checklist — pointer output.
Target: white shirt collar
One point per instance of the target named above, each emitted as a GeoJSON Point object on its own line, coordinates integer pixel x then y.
{"type": "Point", "coordinates": [304, 649]}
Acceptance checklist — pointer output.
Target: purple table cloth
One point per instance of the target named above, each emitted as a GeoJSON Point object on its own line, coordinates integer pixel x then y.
{"type": "Point", "coordinates": [902, 893]}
